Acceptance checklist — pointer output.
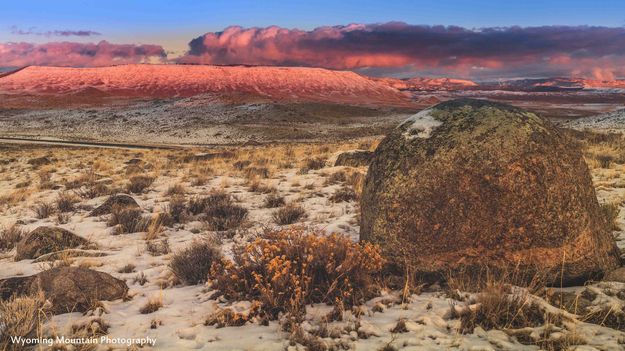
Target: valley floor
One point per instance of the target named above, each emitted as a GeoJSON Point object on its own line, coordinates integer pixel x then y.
{"type": "Point", "coordinates": [200, 121]}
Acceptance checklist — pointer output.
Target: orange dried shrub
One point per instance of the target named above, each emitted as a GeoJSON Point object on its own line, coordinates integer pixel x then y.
{"type": "Point", "coordinates": [285, 270]}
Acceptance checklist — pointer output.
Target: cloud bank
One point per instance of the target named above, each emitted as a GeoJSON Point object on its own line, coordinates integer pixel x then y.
{"type": "Point", "coordinates": [395, 47]}
{"type": "Point", "coordinates": [54, 33]}
{"type": "Point", "coordinates": [78, 54]}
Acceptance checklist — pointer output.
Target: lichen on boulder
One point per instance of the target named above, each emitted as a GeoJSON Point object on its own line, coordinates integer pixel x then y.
{"type": "Point", "coordinates": [354, 158]}
{"type": "Point", "coordinates": [45, 240]}
{"type": "Point", "coordinates": [119, 200]}
{"type": "Point", "coordinates": [472, 183]}
{"type": "Point", "coordinates": [68, 289]}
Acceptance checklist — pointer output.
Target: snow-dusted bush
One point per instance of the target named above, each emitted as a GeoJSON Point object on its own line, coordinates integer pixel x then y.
{"type": "Point", "coordinates": [285, 270]}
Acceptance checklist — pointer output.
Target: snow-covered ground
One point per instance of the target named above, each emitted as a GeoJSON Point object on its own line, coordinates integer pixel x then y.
{"type": "Point", "coordinates": [179, 324]}
{"type": "Point", "coordinates": [610, 121]}
{"type": "Point", "coordinates": [198, 120]}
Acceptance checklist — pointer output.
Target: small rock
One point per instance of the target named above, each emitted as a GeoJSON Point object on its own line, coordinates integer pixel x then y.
{"type": "Point", "coordinates": [122, 200]}
{"type": "Point", "coordinates": [68, 289]}
{"type": "Point", "coordinates": [44, 240]}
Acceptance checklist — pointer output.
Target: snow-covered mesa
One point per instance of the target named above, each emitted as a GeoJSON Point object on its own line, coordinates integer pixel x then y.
{"type": "Point", "coordinates": [279, 83]}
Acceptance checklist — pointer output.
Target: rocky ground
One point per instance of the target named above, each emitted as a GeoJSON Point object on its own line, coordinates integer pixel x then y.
{"type": "Point", "coordinates": [280, 186]}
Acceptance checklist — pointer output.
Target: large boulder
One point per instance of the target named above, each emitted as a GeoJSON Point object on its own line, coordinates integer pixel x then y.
{"type": "Point", "coordinates": [69, 289]}
{"type": "Point", "coordinates": [44, 240]}
{"type": "Point", "coordinates": [117, 200]}
{"type": "Point", "coordinates": [470, 183]}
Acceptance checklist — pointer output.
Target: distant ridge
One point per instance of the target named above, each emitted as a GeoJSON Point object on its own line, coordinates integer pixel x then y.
{"type": "Point", "coordinates": [161, 81]}
{"type": "Point", "coordinates": [527, 84]}
{"type": "Point", "coordinates": [428, 84]}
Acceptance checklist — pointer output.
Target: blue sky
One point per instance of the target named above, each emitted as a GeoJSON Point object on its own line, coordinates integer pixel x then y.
{"type": "Point", "coordinates": [173, 23]}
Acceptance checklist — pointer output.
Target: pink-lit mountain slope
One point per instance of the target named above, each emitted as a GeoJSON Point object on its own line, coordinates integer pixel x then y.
{"type": "Point", "coordinates": [287, 84]}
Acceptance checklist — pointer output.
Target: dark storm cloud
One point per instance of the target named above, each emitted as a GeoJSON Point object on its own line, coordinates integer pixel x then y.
{"type": "Point", "coordinates": [578, 50]}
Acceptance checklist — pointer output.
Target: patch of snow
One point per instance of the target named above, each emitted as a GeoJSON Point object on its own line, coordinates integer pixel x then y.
{"type": "Point", "coordinates": [610, 120]}
{"type": "Point", "coordinates": [420, 125]}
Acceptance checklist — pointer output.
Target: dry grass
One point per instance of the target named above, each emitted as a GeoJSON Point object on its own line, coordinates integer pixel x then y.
{"type": "Point", "coordinates": [94, 190]}
{"type": "Point", "coordinates": [84, 179]}
{"type": "Point", "coordinates": [177, 209]}
{"type": "Point", "coordinates": [582, 304]}
{"type": "Point", "coordinates": [601, 150]}
{"type": "Point", "coordinates": [140, 279]}
{"type": "Point", "coordinates": [344, 194]}
{"type": "Point", "coordinates": [176, 189]}
{"type": "Point", "coordinates": [157, 247]}
{"type": "Point", "coordinates": [199, 204]}
{"type": "Point", "coordinates": [356, 181]}
{"type": "Point", "coordinates": [63, 218]}
{"type": "Point", "coordinates": [336, 177]}
{"type": "Point", "coordinates": [43, 209]}
{"type": "Point", "coordinates": [20, 316]}
{"type": "Point", "coordinates": [257, 172]}
{"type": "Point", "coordinates": [153, 304]}
{"type": "Point", "coordinates": [240, 165]}
{"type": "Point", "coordinates": [16, 196]}
{"type": "Point", "coordinates": [498, 308]}
{"type": "Point", "coordinates": [91, 328]}
{"type": "Point", "coordinates": [477, 279]}
{"type": "Point", "coordinates": [256, 186]}
{"type": "Point", "coordinates": [154, 226]}
{"type": "Point", "coordinates": [192, 264]}
{"type": "Point", "coordinates": [9, 236]}
{"type": "Point", "coordinates": [127, 220]}
{"type": "Point", "coordinates": [128, 268]}
{"type": "Point", "coordinates": [312, 164]}
{"type": "Point", "coordinates": [140, 183]}
{"type": "Point", "coordinates": [65, 202]}
{"type": "Point", "coordinates": [221, 213]}
{"type": "Point", "coordinates": [289, 214]}
{"type": "Point", "coordinates": [274, 200]}
{"type": "Point", "coordinates": [608, 316]}
{"type": "Point", "coordinates": [605, 155]}
{"type": "Point", "coordinates": [45, 178]}
{"type": "Point", "coordinates": [610, 212]}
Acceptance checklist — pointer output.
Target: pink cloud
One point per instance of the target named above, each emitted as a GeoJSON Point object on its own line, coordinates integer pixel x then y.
{"type": "Point", "coordinates": [77, 54]}
{"type": "Point", "coordinates": [509, 51]}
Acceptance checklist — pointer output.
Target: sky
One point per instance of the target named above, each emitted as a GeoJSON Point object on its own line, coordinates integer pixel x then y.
{"type": "Point", "coordinates": [462, 38]}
